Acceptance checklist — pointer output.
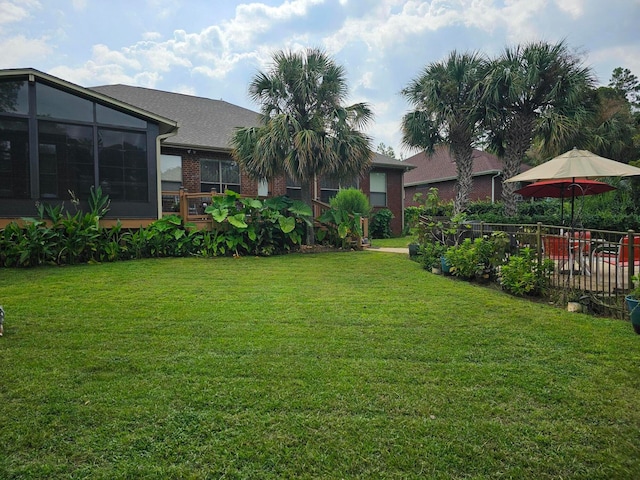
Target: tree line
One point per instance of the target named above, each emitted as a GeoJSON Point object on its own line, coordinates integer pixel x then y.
{"type": "Point", "coordinates": [531, 102]}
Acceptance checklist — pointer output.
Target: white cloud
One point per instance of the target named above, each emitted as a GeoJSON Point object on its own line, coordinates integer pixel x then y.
{"type": "Point", "coordinates": [93, 74]}
{"type": "Point", "coordinates": [20, 51]}
{"type": "Point", "coordinates": [15, 11]}
{"type": "Point", "coordinates": [575, 8]}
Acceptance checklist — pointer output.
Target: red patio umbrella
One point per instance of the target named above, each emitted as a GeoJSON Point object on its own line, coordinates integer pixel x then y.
{"type": "Point", "coordinates": [562, 188]}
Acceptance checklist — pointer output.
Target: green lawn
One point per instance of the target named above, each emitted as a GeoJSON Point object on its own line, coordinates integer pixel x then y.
{"type": "Point", "coordinates": [336, 365]}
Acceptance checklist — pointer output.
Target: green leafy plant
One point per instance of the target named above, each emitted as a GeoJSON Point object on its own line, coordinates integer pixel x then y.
{"type": "Point", "coordinates": [430, 253]}
{"type": "Point", "coordinates": [249, 225]}
{"type": "Point", "coordinates": [351, 200]}
{"type": "Point", "coordinates": [524, 275]}
{"type": "Point", "coordinates": [380, 226]}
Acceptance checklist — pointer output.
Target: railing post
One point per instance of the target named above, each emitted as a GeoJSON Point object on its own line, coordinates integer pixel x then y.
{"type": "Point", "coordinates": [184, 204]}
{"type": "Point", "coordinates": [632, 259]}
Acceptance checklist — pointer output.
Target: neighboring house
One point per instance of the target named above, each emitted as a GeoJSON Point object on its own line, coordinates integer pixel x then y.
{"type": "Point", "coordinates": [57, 137]}
{"type": "Point", "coordinates": [199, 158]}
{"type": "Point", "coordinates": [439, 170]}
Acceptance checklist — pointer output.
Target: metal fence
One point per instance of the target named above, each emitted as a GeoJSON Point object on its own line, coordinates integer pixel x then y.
{"type": "Point", "coordinates": [593, 267]}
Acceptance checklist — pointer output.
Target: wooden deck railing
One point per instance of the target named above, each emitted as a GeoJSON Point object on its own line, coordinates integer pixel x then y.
{"type": "Point", "coordinates": [191, 208]}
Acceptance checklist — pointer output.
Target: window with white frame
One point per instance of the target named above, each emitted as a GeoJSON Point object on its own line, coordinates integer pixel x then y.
{"type": "Point", "coordinates": [171, 172]}
{"type": "Point", "coordinates": [378, 189]}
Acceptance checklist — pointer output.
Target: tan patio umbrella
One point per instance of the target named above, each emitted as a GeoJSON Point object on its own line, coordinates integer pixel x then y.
{"type": "Point", "coordinates": [576, 164]}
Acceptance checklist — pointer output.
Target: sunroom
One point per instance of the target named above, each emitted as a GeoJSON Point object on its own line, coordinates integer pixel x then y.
{"type": "Point", "coordinates": [57, 140]}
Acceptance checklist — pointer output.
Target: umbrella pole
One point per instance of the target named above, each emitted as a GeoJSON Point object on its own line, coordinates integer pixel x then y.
{"type": "Point", "coordinates": [573, 180]}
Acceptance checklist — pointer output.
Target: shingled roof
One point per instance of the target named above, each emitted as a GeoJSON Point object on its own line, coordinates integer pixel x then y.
{"type": "Point", "coordinates": [203, 123]}
{"type": "Point", "coordinates": [440, 167]}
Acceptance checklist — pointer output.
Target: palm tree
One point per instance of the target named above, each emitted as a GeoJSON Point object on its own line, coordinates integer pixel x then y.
{"type": "Point", "coordinates": [535, 89]}
{"type": "Point", "coordinates": [305, 129]}
{"type": "Point", "coordinates": [446, 110]}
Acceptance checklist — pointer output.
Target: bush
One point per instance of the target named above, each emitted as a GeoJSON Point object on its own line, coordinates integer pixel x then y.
{"type": "Point", "coordinates": [380, 226]}
{"type": "Point", "coordinates": [478, 259]}
{"type": "Point", "coordinates": [351, 200]}
{"type": "Point", "coordinates": [241, 226]}
{"type": "Point", "coordinates": [429, 254]}
{"type": "Point", "coordinates": [523, 275]}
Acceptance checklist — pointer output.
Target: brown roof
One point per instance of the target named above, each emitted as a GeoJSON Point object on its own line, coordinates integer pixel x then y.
{"type": "Point", "coordinates": [440, 166]}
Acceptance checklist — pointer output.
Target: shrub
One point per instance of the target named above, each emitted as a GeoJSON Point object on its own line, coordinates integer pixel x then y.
{"type": "Point", "coordinates": [479, 258]}
{"type": "Point", "coordinates": [351, 200]}
{"type": "Point", "coordinates": [380, 226]}
{"type": "Point", "coordinates": [429, 254]}
{"type": "Point", "coordinates": [523, 275]}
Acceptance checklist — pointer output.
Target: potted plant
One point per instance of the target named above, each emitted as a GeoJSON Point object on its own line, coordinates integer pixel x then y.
{"type": "Point", "coordinates": [633, 304]}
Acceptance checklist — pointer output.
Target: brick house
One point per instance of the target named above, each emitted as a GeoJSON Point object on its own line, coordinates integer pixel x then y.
{"type": "Point", "coordinates": [135, 143]}
{"type": "Point", "coordinates": [439, 170]}
{"type": "Point", "coordinates": [199, 158]}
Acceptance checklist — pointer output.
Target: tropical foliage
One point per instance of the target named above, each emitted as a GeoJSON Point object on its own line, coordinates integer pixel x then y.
{"type": "Point", "coordinates": [241, 226]}
{"type": "Point", "coordinates": [306, 130]}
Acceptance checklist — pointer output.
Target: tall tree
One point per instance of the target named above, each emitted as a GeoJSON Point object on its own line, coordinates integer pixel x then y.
{"type": "Point", "coordinates": [535, 89]}
{"type": "Point", "coordinates": [306, 131]}
{"type": "Point", "coordinates": [627, 84]}
{"type": "Point", "coordinates": [386, 150]}
{"type": "Point", "coordinates": [446, 110]}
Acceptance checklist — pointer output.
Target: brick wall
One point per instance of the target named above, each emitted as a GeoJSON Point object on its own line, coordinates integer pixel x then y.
{"type": "Point", "coordinates": [446, 190]}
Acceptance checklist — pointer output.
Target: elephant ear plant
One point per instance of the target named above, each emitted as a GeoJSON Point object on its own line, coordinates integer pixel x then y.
{"type": "Point", "coordinates": [249, 225]}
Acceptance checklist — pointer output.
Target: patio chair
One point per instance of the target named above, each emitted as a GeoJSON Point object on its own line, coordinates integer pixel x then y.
{"type": "Point", "coordinates": [616, 261]}
{"type": "Point", "coordinates": [556, 248]}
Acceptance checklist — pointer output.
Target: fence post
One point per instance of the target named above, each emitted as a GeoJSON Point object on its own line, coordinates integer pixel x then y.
{"type": "Point", "coordinates": [482, 229]}
{"type": "Point", "coordinates": [539, 242]}
{"type": "Point", "coordinates": [631, 272]}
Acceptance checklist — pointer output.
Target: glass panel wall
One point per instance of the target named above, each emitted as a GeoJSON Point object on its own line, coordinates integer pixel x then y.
{"type": "Point", "coordinates": [14, 155]}
{"type": "Point", "coordinates": [54, 103]}
{"type": "Point", "coordinates": [65, 159]}
{"type": "Point", "coordinates": [122, 159]}
{"type": "Point", "coordinates": [14, 97]}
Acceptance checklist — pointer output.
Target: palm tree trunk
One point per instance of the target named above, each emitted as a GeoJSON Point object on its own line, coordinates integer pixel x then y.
{"type": "Point", "coordinates": [517, 142]}
{"type": "Point", "coordinates": [463, 156]}
{"type": "Point", "coordinates": [306, 195]}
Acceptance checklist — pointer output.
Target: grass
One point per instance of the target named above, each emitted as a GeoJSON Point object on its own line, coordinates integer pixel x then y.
{"type": "Point", "coordinates": [340, 365]}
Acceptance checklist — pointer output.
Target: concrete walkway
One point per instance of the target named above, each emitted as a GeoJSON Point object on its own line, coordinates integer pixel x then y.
{"type": "Point", "coordinates": [404, 250]}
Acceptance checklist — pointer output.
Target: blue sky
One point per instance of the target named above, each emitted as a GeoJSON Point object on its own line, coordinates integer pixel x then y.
{"type": "Point", "coordinates": [213, 48]}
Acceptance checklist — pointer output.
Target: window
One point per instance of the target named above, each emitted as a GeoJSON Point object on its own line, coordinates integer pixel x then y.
{"type": "Point", "coordinates": [110, 116]}
{"type": "Point", "coordinates": [122, 157]}
{"type": "Point", "coordinates": [378, 189]}
{"type": "Point", "coordinates": [329, 188]}
{"type": "Point", "coordinates": [171, 172]}
{"type": "Point", "coordinates": [14, 155]}
{"type": "Point", "coordinates": [294, 191]}
{"type": "Point", "coordinates": [65, 159]}
{"type": "Point", "coordinates": [219, 176]}
{"type": "Point", "coordinates": [54, 103]}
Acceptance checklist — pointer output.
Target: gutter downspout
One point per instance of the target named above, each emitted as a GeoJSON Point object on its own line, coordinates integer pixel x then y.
{"type": "Point", "coordinates": [493, 186]}
{"type": "Point", "coordinates": [158, 171]}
